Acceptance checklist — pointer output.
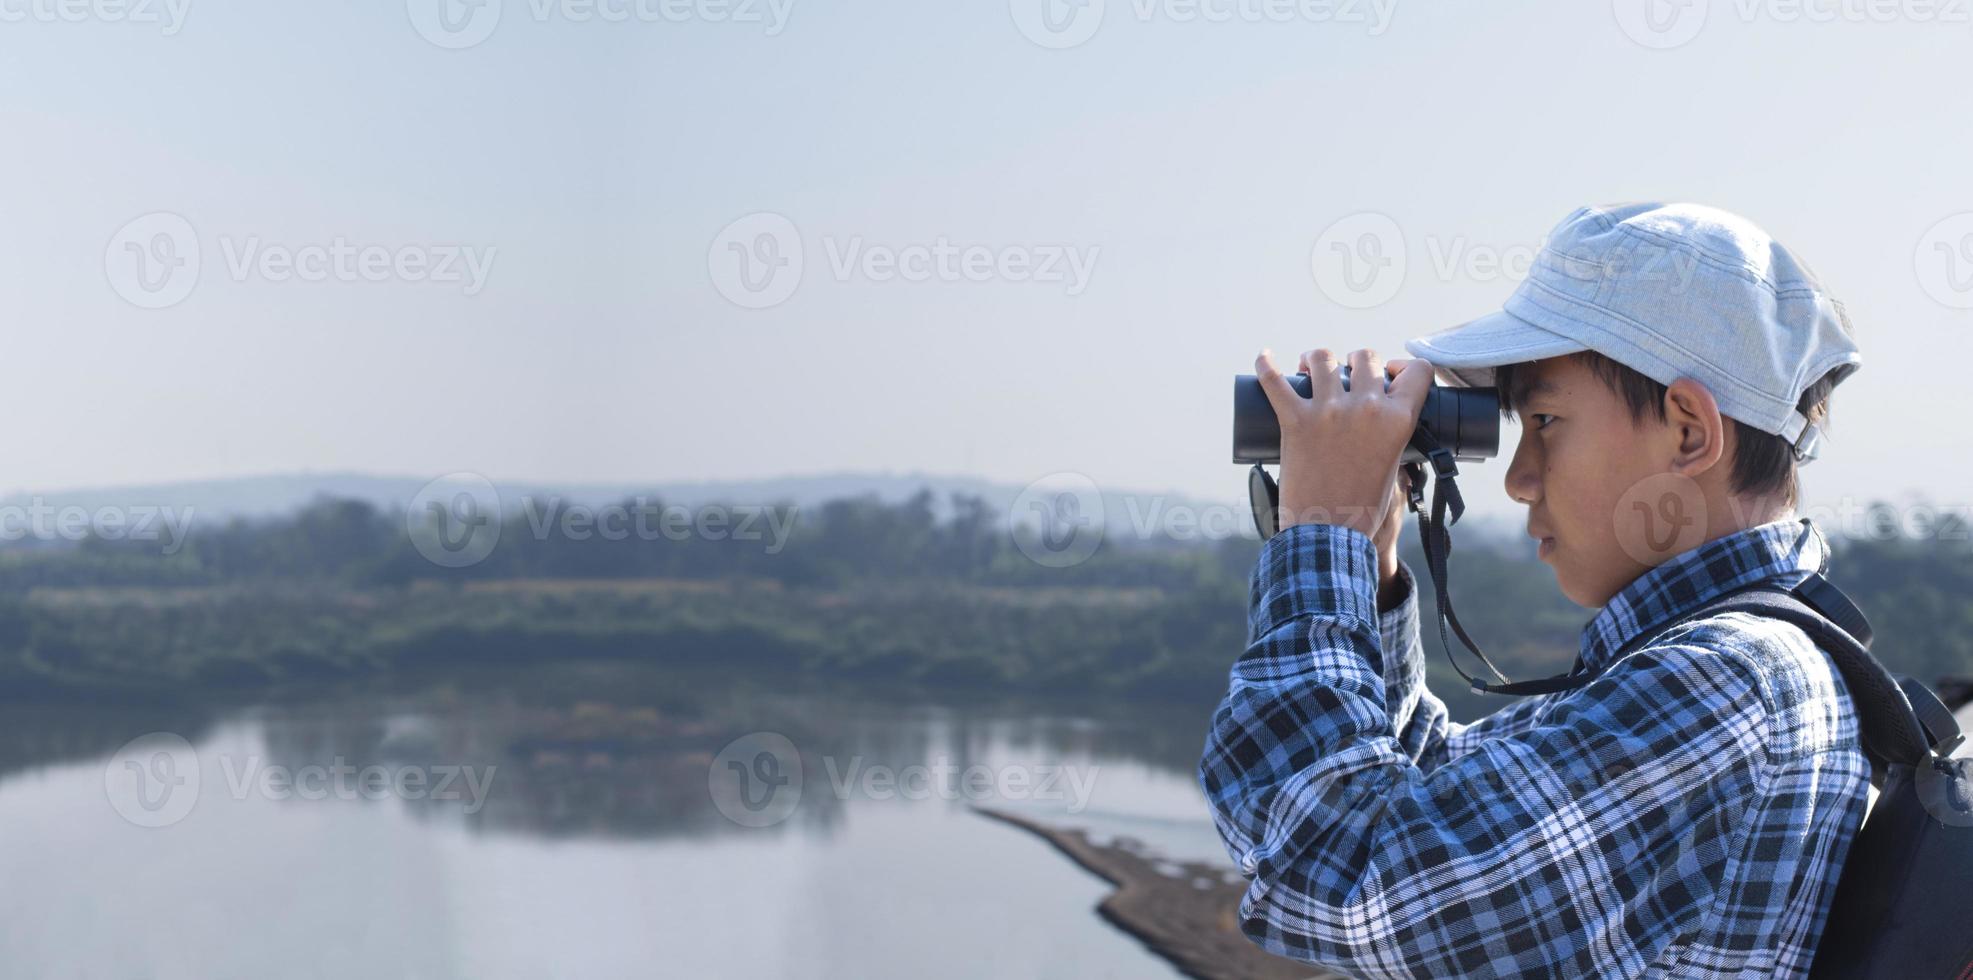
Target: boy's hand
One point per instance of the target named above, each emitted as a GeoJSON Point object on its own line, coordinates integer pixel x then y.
{"type": "Point", "coordinates": [1340, 449]}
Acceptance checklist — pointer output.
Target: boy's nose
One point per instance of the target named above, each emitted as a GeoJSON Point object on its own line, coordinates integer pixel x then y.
{"type": "Point", "coordinates": [1524, 473]}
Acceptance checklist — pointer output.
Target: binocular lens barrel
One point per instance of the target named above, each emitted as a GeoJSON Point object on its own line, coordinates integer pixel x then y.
{"type": "Point", "coordinates": [1464, 420]}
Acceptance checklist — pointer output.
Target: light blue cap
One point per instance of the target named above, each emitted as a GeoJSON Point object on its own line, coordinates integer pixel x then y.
{"type": "Point", "coordinates": [1670, 290]}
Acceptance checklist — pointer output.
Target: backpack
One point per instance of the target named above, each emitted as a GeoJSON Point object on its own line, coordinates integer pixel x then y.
{"type": "Point", "coordinates": [1899, 910]}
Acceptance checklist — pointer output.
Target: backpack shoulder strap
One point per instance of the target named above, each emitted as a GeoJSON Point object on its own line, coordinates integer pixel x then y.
{"type": "Point", "coordinates": [1890, 728]}
{"type": "Point", "coordinates": [1940, 725]}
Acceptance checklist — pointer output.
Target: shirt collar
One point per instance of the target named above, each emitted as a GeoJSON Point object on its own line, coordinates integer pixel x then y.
{"type": "Point", "coordinates": [1783, 550]}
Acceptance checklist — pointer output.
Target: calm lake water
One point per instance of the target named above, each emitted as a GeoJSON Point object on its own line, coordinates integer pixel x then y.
{"type": "Point", "coordinates": [578, 822]}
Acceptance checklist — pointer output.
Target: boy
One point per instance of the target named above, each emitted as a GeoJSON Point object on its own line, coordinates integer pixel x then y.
{"type": "Point", "coordinates": [1686, 813]}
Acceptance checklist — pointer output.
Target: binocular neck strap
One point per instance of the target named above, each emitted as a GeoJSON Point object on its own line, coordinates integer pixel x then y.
{"type": "Point", "coordinates": [1435, 538]}
{"type": "Point", "coordinates": [1265, 497]}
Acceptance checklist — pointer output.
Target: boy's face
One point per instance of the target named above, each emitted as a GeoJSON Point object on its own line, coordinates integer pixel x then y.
{"type": "Point", "coordinates": [1580, 456]}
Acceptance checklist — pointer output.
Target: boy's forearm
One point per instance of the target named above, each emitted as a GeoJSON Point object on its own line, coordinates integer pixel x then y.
{"type": "Point", "coordinates": [1392, 587]}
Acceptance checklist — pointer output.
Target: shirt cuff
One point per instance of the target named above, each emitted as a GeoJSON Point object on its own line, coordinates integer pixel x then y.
{"type": "Point", "coordinates": [1397, 634]}
{"type": "Point", "coordinates": [1315, 570]}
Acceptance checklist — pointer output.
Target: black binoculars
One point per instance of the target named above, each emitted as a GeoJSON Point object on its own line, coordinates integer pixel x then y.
{"type": "Point", "coordinates": [1465, 421]}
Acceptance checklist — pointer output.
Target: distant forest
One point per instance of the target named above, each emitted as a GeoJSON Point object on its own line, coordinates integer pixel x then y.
{"type": "Point", "coordinates": [860, 589]}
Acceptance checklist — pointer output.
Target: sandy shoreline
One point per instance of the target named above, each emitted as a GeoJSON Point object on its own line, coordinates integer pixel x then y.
{"type": "Point", "coordinates": [1186, 917]}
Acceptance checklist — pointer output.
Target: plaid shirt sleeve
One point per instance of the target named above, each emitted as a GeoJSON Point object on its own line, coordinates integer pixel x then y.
{"type": "Point", "coordinates": [1383, 841]}
{"type": "Point", "coordinates": [1424, 727]}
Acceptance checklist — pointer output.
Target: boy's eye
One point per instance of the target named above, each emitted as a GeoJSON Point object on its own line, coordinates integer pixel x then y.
{"type": "Point", "coordinates": [1541, 421]}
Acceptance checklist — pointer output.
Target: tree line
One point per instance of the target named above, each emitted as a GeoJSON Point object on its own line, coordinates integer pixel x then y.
{"type": "Point", "coordinates": [859, 587]}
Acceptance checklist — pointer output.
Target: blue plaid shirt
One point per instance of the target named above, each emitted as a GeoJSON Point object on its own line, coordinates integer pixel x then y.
{"type": "Point", "coordinates": [1685, 814]}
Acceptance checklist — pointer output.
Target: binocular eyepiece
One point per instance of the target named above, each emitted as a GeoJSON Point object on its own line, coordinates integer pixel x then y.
{"type": "Point", "coordinates": [1463, 420]}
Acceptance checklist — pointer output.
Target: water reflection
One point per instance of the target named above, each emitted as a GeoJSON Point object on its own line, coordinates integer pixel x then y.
{"type": "Point", "coordinates": [593, 845]}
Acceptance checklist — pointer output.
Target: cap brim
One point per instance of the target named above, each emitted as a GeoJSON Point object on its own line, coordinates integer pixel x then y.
{"type": "Point", "coordinates": [1466, 355]}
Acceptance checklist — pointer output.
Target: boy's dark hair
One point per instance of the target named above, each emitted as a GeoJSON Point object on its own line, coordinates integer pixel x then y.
{"type": "Point", "coordinates": [1763, 463]}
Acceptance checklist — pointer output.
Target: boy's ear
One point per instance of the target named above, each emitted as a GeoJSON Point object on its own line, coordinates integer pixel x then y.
{"type": "Point", "coordinates": [1694, 416]}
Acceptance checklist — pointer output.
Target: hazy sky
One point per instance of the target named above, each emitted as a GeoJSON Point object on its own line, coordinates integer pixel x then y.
{"type": "Point", "coordinates": [592, 170]}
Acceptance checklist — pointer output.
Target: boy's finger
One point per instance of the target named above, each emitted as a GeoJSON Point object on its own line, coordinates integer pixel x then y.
{"type": "Point", "coordinates": [1280, 393]}
{"type": "Point", "coordinates": [1322, 379]}
{"type": "Point", "coordinates": [1412, 382]}
{"type": "Point", "coordinates": [1366, 373]}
